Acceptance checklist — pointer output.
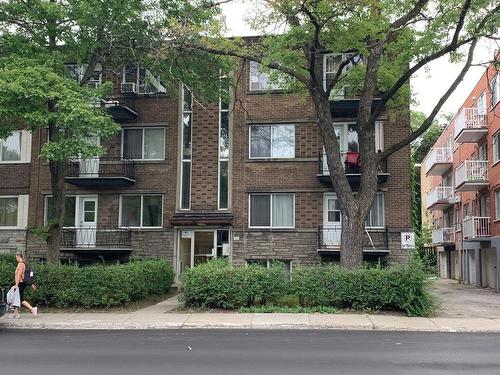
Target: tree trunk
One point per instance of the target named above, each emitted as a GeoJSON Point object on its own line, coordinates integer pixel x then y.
{"type": "Point", "coordinates": [57, 175]}
{"type": "Point", "coordinates": [351, 246]}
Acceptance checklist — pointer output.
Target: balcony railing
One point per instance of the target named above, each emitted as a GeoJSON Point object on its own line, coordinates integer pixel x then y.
{"type": "Point", "coordinates": [443, 235]}
{"type": "Point", "coordinates": [373, 239]}
{"type": "Point", "coordinates": [470, 125]}
{"type": "Point", "coordinates": [107, 171]}
{"type": "Point", "coordinates": [350, 168]}
{"type": "Point", "coordinates": [97, 238]}
{"type": "Point", "coordinates": [440, 196]}
{"type": "Point", "coordinates": [471, 175]}
{"type": "Point", "coordinates": [476, 227]}
{"type": "Point", "coordinates": [439, 161]}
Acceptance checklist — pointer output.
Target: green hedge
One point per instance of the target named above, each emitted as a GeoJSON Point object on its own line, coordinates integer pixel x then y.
{"type": "Point", "coordinates": [96, 285]}
{"type": "Point", "coordinates": [218, 285]}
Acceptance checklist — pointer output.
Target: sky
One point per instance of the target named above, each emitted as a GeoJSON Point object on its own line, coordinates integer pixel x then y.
{"type": "Point", "coordinates": [428, 86]}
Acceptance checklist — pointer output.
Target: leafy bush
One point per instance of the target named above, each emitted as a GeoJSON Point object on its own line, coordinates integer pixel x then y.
{"type": "Point", "coordinates": [97, 285]}
{"type": "Point", "coordinates": [289, 310]}
{"type": "Point", "coordinates": [218, 285]}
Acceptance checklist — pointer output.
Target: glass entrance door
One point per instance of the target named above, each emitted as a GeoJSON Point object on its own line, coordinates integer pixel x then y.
{"type": "Point", "coordinates": [332, 220]}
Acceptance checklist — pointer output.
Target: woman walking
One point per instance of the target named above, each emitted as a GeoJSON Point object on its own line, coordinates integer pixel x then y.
{"type": "Point", "coordinates": [19, 283]}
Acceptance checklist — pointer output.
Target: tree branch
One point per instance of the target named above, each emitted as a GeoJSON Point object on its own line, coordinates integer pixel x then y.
{"type": "Point", "coordinates": [429, 120]}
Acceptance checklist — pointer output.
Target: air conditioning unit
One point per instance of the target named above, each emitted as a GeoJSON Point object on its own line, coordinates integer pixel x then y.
{"type": "Point", "coordinates": [128, 88]}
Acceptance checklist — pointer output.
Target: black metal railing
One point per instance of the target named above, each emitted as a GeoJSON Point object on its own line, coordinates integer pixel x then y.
{"type": "Point", "coordinates": [350, 168]}
{"type": "Point", "coordinates": [99, 237]}
{"type": "Point", "coordinates": [330, 237]}
{"type": "Point", "coordinates": [101, 167]}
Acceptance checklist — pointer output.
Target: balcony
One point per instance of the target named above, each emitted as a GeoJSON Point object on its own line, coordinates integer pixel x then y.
{"type": "Point", "coordinates": [439, 161]}
{"type": "Point", "coordinates": [476, 228]}
{"type": "Point", "coordinates": [352, 169]}
{"type": "Point", "coordinates": [374, 241]}
{"type": "Point", "coordinates": [471, 175]}
{"type": "Point", "coordinates": [470, 126]}
{"type": "Point", "coordinates": [101, 172]}
{"type": "Point", "coordinates": [100, 239]}
{"type": "Point", "coordinates": [441, 197]}
{"type": "Point", "coordinates": [441, 236]}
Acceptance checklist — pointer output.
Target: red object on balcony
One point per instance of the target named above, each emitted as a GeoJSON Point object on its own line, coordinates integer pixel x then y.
{"type": "Point", "coordinates": [352, 159]}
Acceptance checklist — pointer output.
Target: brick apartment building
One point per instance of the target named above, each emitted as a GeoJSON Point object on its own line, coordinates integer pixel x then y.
{"type": "Point", "coordinates": [460, 188]}
{"type": "Point", "coordinates": [192, 181]}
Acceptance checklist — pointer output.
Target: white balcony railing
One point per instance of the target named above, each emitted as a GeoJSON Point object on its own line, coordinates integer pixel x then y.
{"type": "Point", "coordinates": [443, 235]}
{"type": "Point", "coordinates": [476, 227]}
{"type": "Point", "coordinates": [439, 194]}
{"type": "Point", "coordinates": [471, 171]}
{"type": "Point", "coordinates": [438, 155]}
{"type": "Point", "coordinates": [469, 118]}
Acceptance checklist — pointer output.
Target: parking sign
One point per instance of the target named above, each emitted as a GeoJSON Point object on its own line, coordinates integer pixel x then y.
{"type": "Point", "coordinates": [407, 240]}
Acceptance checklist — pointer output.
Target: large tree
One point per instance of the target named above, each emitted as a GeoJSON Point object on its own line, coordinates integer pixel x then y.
{"type": "Point", "coordinates": [37, 39]}
{"type": "Point", "coordinates": [395, 40]}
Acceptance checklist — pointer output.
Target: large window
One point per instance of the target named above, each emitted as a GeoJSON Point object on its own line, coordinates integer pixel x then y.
{"type": "Point", "coordinates": [496, 147]}
{"type": "Point", "coordinates": [331, 64]}
{"type": "Point", "coordinates": [141, 211]}
{"type": "Point", "coordinates": [375, 218]}
{"type": "Point", "coordinates": [8, 211]}
{"type": "Point", "coordinates": [77, 72]}
{"type": "Point", "coordinates": [69, 211]}
{"type": "Point", "coordinates": [260, 81]}
{"type": "Point", "coordinates": [223, 155]}
{"type": "Point", "coordinates": [144, 143]}
{"type": "Point", "coordinates": [10, 148]}
{"type": "Point", "coordinates": [481, 104]}
{"type": "Point", "coordinates": [272, 141]}
{"type": "Point", "coordinates": [272, 210]}
{"type": "Point", "coordinates": [186, 149]}
{"type": "Point", "coordinates": [497, 204]}
{"type": "Point", "coordinates": [495, 90]}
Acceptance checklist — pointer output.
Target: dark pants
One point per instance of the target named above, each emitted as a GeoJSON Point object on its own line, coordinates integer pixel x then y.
{"type": "Point", "coordinates": [22, 286]}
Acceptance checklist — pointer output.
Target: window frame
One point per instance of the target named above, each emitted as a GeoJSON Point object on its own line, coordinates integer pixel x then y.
{"type": "Point", "coordinates": [269, 85]}
{"type": "Point", "coordinates": [46, 206]}
{"type": "Point", "coordinates": [143, 128]}
{"type": "Point", "coordinates": [20, 160]}
{"type": "Point", "coordinates": [183, 159]}
{"type": "Point", "coordinates": [377, 194]}
{"type": "Point", "coordinates": [496, 147]}
{"type": "Point", "coordinates": [271, 140]}
{"type": "Point", "coordinates": [222, 159]}
{"type": "Point", "coordinates": [7, 227]}
{"type": "Point", "coordinates": [269, 262]}
{"type": "Point", "coordinates": [270, 211]}
{"type": "Point", "coordinates": [120, 211]}
{"type": "Point", "coordinates": [494, 88]}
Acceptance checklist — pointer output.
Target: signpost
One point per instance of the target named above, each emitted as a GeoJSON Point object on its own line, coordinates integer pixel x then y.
{"type": "Point", "coordinates": [407, 240]}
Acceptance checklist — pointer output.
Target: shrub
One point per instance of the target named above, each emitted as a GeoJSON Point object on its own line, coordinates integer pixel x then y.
{"type": "Point", "coordinates": [97, 285]}
{"type": "Point", "coordinates": [218, 285]}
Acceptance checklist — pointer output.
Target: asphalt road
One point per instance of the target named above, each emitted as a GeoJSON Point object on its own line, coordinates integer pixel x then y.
{"type": "Point", "coordinates": [233, 352]}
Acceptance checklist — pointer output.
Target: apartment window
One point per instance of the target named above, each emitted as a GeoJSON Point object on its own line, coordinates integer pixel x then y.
{"type": "Point", "coordinates": [458, 219]}
{"type": "Point", "coordinates": [8, 211]}
{"type": "Point", "coordinates": [69, 211]}
{"type": "Point", "coordinates": [223, 155]}
{"type": "Point", "coordinates": [272, 141]}
{"type": "Point", "coordinates": [260, 81]}
{"type": "Point", "coordinates": [186, 149]}
{"type": "Point", "coordinates": [481, 104]}
{"type": "Point", "coordinates": [375, 218]}
{"type": "Point", "coordinates": [77, 71]}
{"type": "Point", "coordinates": [497, 204]}
{"type": "Point", "coordinates": [496, 148]}
{"type": "Point", "coordinates": [147, 83]}
{"type": "Point", "coordinates": [266, 263]}
{"type": "Point", "coordinates": [272, 210]}
{"type": "Point", "coordinates": [144, 143]}
{"type": "Point", "coordinates": [141, 211]}
{"type": "Point", "coordinates": [495, 90]}
{"type": "Point", "coordinates": [331, 64]}
{"type": "Point", "coordinates": [10, 148]}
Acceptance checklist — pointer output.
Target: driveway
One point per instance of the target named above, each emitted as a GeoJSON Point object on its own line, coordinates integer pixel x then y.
{"type": "Point", "coordinates": [465, 301]}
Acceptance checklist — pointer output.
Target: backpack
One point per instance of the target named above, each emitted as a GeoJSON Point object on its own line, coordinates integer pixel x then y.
{"type": "Point", "coordinates": [29, 275]}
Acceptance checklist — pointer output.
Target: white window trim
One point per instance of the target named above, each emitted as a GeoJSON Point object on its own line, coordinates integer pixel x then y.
{"type": "Point", "coordinates": [181, 150]}
{"type": "Point", "coordinates": [383, 213]}
{"type": "Point", "coordinates": [82, 69]}
{"type": "Point", "coordinates": [270, 86]}
{"type": "Point", "coordinates": [160, 89]}
{"type": "Point", "coordinates": [142, 211]}
{"type": "Point", "coordinates": [22, 212]}
{"type": "Point", "coordinates": [221, 159]}
{"type": "Point", "coordinates": [497, 204]}
{"type": "Point", "coordinates": [25, 148]}
{"type": "Point", "coordinates": [494, 90]}
{"type": "Point", "coordinates": [379, 134]}
{"type": "Point", "coordinates": [270, 211]}
{"type": "Point", "coordinates": [77, 206]}
{"type": "Point", "coordinates": [495, 147]}
{"type": "Point", "coordinates": [144, 128]}
{"type": "Point", "coordinates": [339, 94]}
{"type": "Point", "coordinates": [269, 157]}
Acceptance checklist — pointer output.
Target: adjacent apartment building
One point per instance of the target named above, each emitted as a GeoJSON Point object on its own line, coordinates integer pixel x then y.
{"type": "Point", "coordinates": [461, 188]}
{"type": "Point", "coordinates": [192, 181]}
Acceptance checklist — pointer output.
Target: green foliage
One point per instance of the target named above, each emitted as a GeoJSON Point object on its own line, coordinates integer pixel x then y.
{"type": "Point", "coordinates": [423, 145]}
{"type": "Point", "coordinates": [218, 285]}
{"type": "Point", "coordinates": [94, 286]}
{"type": "Point", "coordinates": [289, 310]}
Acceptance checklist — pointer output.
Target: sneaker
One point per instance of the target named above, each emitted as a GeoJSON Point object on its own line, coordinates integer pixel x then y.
{"type": "Point", "coordinates": [34, 311]}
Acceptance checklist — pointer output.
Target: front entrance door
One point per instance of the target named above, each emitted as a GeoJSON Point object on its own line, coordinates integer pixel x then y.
{"type": "Point", "coordinates": [332, 220]}
{"type": "Point", "coordinates": [90, 167]}
{"type": "Point", "coordinates": [198, 246]}
{"type": "Point", "coordinates": [87, 222]}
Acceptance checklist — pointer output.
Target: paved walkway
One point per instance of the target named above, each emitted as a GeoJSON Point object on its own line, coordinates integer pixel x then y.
{"type": "Point", "coordinates": [464, 309]}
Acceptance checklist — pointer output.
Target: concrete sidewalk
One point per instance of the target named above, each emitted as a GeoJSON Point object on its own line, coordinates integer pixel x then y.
{"type": "Point", "coordinates": [158, 319]}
